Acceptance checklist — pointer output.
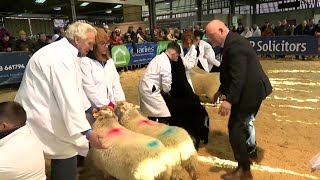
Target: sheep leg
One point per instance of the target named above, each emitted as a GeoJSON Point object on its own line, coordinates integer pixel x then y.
{"type": "Point", "coordinates": [192, 172]}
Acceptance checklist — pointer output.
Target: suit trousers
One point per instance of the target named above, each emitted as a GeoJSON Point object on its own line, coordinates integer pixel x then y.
{"type": "Point", "coordinates": [239, 134]}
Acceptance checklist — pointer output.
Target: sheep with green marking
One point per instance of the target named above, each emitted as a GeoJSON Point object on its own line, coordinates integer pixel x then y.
{"type": "Point", "coordinates": [179, 144]}
{"type": "Point", "coordinates": [127, 155]}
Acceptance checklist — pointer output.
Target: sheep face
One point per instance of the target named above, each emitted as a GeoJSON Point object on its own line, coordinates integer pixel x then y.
{"type": "Point", "coordinates": [124, 108]}
{"type": "Point", "coordinates": [104, 116]}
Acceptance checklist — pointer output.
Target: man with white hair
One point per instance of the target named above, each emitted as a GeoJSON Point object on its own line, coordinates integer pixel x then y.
{"type": "Point", "coordinates": [52, 95]}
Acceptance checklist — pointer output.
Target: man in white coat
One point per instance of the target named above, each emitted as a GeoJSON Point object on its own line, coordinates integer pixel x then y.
{"type": "Point", "coordinates": [206, 57]}
{"type": "Point", "coordinates": [157, 79]}
{"type": "Point", "coordinates": [51, 93]}
{"type": "Point", "coordinates": [21, 155]}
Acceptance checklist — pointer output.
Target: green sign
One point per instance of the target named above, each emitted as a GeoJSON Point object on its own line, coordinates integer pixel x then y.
{"type": "Point", "coordinates": [162, 45]}
{"type": "Point", "coordinates": [120, 55]}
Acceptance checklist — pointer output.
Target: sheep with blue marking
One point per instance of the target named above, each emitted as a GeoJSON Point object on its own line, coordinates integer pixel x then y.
{"type": "Point", "coordinates": [128, 155]}
{"type": "Point", "coordinates": [177, 141]}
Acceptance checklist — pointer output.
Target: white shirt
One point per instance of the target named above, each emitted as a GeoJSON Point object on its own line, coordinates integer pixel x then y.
{"type": "Point", "coordinates": [101, 84]}
{"type": "Point", "coordinates": [156, 77]}
{"type": "Point", "coordinates": [52, 95]}
{"type": "Point", "coordinates": [207, 56]}
{"type": "Point", "coordinates": [21, 156]}
{"type": "Point", "coordinates": [246, 34]}
{"type": "Point", "coordinates": [256, 33]}
{"type": "Point", "coordinates": [189, 61]}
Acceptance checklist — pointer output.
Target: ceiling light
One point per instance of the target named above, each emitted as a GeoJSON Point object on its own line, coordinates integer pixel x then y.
{"type": "Point", "coordinates": [108, 11]}
{"type": "Point", "coordinates": [168, 3]}
{"type": "Point", "coordinates": [118, 6]}
{"type": "Point", "coordinates": [57, 8]}
{"type": "Point", "coordinates": [196, 8]}
{"type": "Point", "coordinates": [40, 1]}
{"type": "Point", "coordinates": [19, 14]}
{"type": "Point", "coordinates": [84, 4]}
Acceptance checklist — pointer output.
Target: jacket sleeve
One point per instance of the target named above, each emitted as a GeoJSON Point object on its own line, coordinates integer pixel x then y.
{"type": "Point", "coordinates": [189, 60]}
{"type": "Point", "coordinates": [94, 94]}
{"type": "Point", "coordinates": [166, 76]}
{"type": "Point", "coordinates": [116, 86]}
{"type": "Point", "coordinates": [68, 97]}
{"type": "Point", "coordinates": [237, 63]}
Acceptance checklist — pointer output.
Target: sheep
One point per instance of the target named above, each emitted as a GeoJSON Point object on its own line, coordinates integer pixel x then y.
{"type": "Point", "coordinates": [128, 155]}
{"type": "Point", "coordinates": [205, 84]}
{"type": "Point", "coordinates": [175, 139]}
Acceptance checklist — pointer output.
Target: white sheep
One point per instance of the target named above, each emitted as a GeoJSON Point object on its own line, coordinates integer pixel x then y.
{"type": "Point", "coordinates": [205, 84]}
{"type": "Point", "coordinates": [178, 142]}
{"type": "Point", "coordinates": [128, 155]}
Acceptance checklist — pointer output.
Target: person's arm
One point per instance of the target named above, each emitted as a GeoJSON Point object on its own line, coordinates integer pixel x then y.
{"type": "Point", "coordinates": [94, 94]}
{"type": "Point", "coordinates": [237, 63]}
{"type": "Point", "coordinates": [189, 60]}
{"type": "Point", "coordinates": [166, 76]}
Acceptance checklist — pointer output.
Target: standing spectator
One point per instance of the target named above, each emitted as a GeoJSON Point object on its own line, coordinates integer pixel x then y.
{"type": "Point", "coordinates": [140, 35]}
{"type": "Point", "coordinates": [283, 30]}
{"type": "Point", "coordinates": [268, 32]}
{"type": "Point", "coordinates": [132, 33]}
{"type": "Point", "coordinates": [302, 29]}
{"type": "Point", "coordinates": [275, 30]}
{"type": "Point", "coordinates": [245, 86]}
{"type": "Point", "coordinates": [316, 32]}
{"type": "Point", "coordinates": [240, 28]}
{"type": "Point", "coordinates": [197, 28]}
{"type": "Point", "coordinates": [256, 31]}
{"type": "Point", "coordinates": [311, 25]}
{"type": "Point", "coordinates": [114, 39]}
{"type": "Point", "coordinates": [42, 41]}
{"type": "Point", "coordinates": [266, 24]}
{"type": "Point", "coordinates": [51, 92]}
{"type": "Point", "coordinates": [246, 33]}
{"type": "Point", "coordinates": [24, 44]}
{"type": "Point", "coordinates": [147, 36]}
{"type": "Point", "coordinates": [162, 36]}
{"type": "Point", "coordinates": [6, 44]}
{"type": "Point", "coordinates": [21, 153]}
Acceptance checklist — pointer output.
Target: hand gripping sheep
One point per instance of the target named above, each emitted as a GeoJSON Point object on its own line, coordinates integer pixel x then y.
{"type": "Point", "coordinates": [128, 155]}
{"type": "Point", "coordinates": [178, 142]}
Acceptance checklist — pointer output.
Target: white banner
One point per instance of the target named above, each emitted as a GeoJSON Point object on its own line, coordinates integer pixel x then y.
{"type": "Point", "coordinates": [130, 2]}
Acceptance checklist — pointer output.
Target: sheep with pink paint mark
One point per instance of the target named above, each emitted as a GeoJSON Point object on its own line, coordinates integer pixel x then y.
{"type": "Point", "coordinates": [128, 155]}
{"type": "Point", "coordinates": [177, 141]}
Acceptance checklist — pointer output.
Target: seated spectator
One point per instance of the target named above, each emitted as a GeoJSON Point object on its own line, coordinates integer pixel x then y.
{"type": "Point", "coordinates": [58, 34]}
{"type": "Point", "coordinates": [6, 44]}
{"type": "Point", "coordinates": [170, 35]}
{"type": "Point", "coordinates": [129, 40]}
{"type": "Point", "coordinates": [240, 28]}
{"type": "Point", "coordinates": [21, 154]}
{"type": "Point", "coordinates": [140, 35]}
{"type": "Point", "coordinates": [114, 39]}
{"type": "Point", "coordinates": [132, 33]}
{"type": "Point", "coordinates": [24, 44]}
{"type": "Point", "coordinates": [256, 32]}
{"type": "Point", "coordinates": [267, 33]}
{"type": "Point", "coordinates": [246, 33]}
{"type": "Point", "coordinates": [42, 41]}
{"type": "Point", "coordinates": [162, 36]}
{"type": "Point", "coordinates": [147, 36]}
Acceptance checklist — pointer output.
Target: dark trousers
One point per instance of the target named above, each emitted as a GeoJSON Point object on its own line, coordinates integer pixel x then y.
{"type": "Point", "coordinates": [164, 120]}
{"type": "Point", "coordinates": [64, 169]}
{"type": "Point", "coordinates": [238, 135]}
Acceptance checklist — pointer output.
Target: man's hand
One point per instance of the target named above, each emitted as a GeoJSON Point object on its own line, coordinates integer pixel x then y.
{"type": "Point", "coordinates": [225, 108]}
{"type": "Point", "coordinates": [95, 140]}
{"type": "Point", "coordinates": [217, 95]}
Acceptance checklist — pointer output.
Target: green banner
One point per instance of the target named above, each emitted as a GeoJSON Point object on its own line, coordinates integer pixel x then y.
{"type": "Point", "coordinates": [120, 55]}
{"type": "Point", "coordinates": [162, 45]}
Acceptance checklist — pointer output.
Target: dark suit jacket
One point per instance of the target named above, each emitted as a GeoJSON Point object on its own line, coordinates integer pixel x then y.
{"type": "Point", "coordinates": [242, 78]}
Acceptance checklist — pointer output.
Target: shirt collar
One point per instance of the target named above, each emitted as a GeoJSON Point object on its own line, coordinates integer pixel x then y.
{"type": "Point", "coordinates": [13, 133]}
{"type": "Point", "coordinates": [73, 49]}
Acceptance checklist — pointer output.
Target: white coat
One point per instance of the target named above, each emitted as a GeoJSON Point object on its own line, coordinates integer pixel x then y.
{"type": "Point", "coordinates": [189, 61]}
{"type": "Point", "coordinates": [101, 84]}
{"type": "Point", "coordinates": [52, 95]}
{"type": "Point", "coordinates": [207, 57]}
{"type": "Point", "coordinates": [156, 77]}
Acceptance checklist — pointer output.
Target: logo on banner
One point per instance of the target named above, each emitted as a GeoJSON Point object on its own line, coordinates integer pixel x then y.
{"type": "Point", "coordinates": [162, 45]}
{"type": "Point", "coordinates": [120, 55]}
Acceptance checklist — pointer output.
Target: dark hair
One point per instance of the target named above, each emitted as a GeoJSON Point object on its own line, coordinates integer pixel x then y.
{"type": "Point", "coordinates": [197, 33]}
{"type": "Point", "coordinates": [41, 33]}
{"type": "Point", "coordinates": [175, 46]}
{"type": "Point", "coordinates": [187, 35]}
{"type": "Point", "coordinates": [12, 112]}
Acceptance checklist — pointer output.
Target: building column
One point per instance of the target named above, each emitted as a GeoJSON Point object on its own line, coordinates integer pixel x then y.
{"type": "Point", "coordinates": [232, 11]}
{"type": "Point", "coordinates": [199, 11]}
{"type": "Point", "coordinates": [152, 17]}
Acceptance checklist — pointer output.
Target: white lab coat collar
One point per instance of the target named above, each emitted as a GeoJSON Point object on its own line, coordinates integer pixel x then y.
{"type": "Point", "coordinates": [4, 140]}
{"type": "Point", "coordinates": [73, 49]}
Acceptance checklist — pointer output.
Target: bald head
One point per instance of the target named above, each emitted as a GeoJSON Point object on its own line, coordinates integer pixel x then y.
{"type": "Point", "coordinates": [217, 32]}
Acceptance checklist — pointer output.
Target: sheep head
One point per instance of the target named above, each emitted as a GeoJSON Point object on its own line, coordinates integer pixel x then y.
{"type": "Point", "coordinates": [104, 116]}
{"type": "Point", "coordinates": [126, 109]}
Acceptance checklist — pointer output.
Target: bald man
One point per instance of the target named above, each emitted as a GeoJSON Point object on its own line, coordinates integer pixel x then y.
{"type": "Point", "coordinates": [245, 85]}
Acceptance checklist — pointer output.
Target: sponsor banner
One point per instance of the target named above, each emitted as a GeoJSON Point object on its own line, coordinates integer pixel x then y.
{"type": "Point", "coordinates": [285, 45]}
{"type": "Point", "coordinates": [12, 67]}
